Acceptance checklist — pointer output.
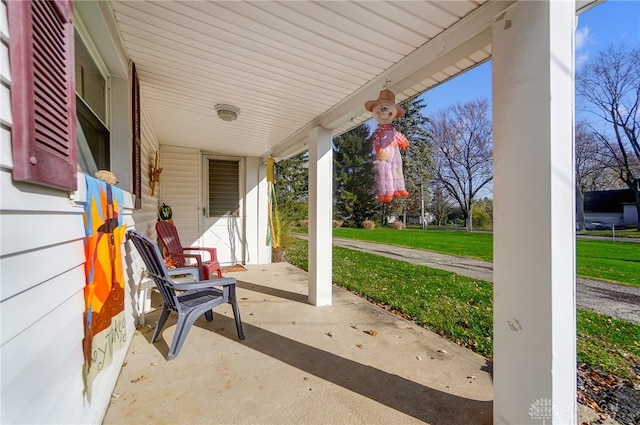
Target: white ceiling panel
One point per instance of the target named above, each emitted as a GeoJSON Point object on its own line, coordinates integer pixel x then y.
{"type": "Point", "coordinates": [290, 65]}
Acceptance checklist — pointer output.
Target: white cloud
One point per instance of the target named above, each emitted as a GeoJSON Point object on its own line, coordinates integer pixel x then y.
{"type": "Point", "coordinates": [582, 34]}
{"type": "Point", "coordinates": [582, 37]}
{"type": "Point", "coordinates": [581, 59]}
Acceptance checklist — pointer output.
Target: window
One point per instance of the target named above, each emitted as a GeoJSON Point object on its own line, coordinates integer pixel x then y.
{"type": "Point", "coordinates": [90, 83]}
{"type": "Point", "coordinates": [93, 140]}
{"type": "Point", "coordinates": [91, 99]}
{"type": "Point", "coordinates": [224, 188]}
{"type": "Point", "coordinates": [43, 135]}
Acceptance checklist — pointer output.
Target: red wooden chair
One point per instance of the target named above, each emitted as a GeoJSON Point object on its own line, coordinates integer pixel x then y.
{"type": "Point", "coordinates": [172, 246]}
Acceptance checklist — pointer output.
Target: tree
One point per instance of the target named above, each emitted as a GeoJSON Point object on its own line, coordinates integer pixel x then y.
{"type": "Point", "coordinates": [440, 206]}
{"type": "Point", "coordinates": [593, 171]}
{"type": "Point", "coordinates": [354, 180]}
{"type": "Point", "coordinates": [463, 152]}
{"type": "Point", "coordinates": [483, 213]}
{"type": "Point", "coordinates": [609, 87]}
{"type": "Point", "coordinates": [417, 161]}
{"type": "Point", "coordinates": [292, 186]}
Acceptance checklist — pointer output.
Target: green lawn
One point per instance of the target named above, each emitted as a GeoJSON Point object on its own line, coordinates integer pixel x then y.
{"type": "Point", "coordinates": [461, 309]}
{"type": "Point", "coordinates": [464, 244]}
{"type": "Point", "coordinates": [617, 261]}
{"type": "Point", "coordinates": [611, 261]}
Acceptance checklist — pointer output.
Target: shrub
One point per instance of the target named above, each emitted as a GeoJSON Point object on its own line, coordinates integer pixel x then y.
{"type": "Point", "coordinates": [282, 238]}
{"type": "Point", "coordinates": [398, 225]}
{"type": "Point", "coordinates": [337, 223]}
{"type": "Point", "coordinates": [368, 224]}
{"type": "Point", "coordinates": [480, 219]}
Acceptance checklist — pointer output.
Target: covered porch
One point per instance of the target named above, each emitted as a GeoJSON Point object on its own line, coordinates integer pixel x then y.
{"type": "Point", "coordinates": [301, 364]}
{"type": "Point", "coordinates": [300, 74]}
{"type": "Point", "coordinates": [147, 77]}
{"type": "Point", "coordinates": [351, 362]}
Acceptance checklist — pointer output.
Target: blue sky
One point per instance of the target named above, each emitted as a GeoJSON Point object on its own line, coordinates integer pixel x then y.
{"type": "Point", "coordinates": [611, 22]}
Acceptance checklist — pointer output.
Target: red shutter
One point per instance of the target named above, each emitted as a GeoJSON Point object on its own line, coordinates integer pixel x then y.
{"type": "Point", "coordinates": [41, 54]}
{"type": "Point", "coordinates": [137, 146]}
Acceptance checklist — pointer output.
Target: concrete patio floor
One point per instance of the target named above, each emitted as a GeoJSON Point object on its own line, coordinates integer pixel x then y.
{"type": "Point", "coordinates": [349, 363]}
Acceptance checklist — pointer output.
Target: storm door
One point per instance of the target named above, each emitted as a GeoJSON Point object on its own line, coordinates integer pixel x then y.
{"type": "Point", "coordinates": [223, 226]}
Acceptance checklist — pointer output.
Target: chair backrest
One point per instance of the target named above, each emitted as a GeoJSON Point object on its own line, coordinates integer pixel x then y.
{"type": "Point", "coordinates": [170, 239]}
{"type": "Point", "coordinates": [152, 258]}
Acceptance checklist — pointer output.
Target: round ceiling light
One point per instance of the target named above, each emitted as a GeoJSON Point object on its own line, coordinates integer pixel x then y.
{"type": "Point", "coordinates": [227, 112]}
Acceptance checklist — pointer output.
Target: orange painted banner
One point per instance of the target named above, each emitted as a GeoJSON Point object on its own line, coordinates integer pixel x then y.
{"type": "Point", "coordinates": [104, 290]}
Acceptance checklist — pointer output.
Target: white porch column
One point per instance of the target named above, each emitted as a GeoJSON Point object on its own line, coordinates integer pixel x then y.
{"type": "Point", "coordinates": [320, 215]}
{"type": "Point", "coordinates": [534, 231]}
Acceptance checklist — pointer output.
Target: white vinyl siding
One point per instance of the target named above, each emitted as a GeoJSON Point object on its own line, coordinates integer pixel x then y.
{"type": "Point", "coordinates": [42, 283]}
{"type": "Point", "coordinates": [180, 189]}
{"type": "Point", "coordinates": [42, 298]}
{"type": "Point", "coordinates": [147, 216]}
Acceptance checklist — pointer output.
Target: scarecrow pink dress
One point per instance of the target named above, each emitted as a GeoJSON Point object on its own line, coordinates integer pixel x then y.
{"type": "Point", "coordinates": [388, 164]}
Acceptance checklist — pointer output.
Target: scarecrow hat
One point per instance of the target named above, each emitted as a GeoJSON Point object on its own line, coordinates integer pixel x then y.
{"type": "Point", "coordinates": [385, 95]}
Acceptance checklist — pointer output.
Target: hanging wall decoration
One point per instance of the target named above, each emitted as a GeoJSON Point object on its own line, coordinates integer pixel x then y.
{"type": "Point", "coordinates": [154, 174]}
{"type": "Point", "coordinates": [387, 143]}
{"type": "Point", "coordinates": [104, 322]}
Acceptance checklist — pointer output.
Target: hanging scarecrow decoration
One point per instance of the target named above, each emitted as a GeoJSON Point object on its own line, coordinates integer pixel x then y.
{"type": "Point", "coordinates": [387, 143]}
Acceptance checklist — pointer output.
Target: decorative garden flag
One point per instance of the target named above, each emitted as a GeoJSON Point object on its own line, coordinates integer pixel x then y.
{"type": "Point", "coordinates": [104, 326]}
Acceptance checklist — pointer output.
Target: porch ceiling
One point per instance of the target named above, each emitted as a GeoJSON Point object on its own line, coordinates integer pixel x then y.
{"type": "Point", "coordinates": [290, 65]}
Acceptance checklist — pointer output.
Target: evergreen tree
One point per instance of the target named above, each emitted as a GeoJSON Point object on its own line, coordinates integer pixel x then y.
{"type": "Point", "coordinates": [292, 187]}
{"type": "Point", "coordinates": [354, 180]}
{"type": "Point", "coordinates": [417, 161]}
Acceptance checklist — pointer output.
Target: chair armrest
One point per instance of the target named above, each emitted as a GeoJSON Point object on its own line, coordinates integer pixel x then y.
{"type": "Point", "coordinates": [197, 257]}
{"type": "Point", "coordinates": [225, 281]}
{"type": "Point", "coordinates": [212, 252]}
{"type": "Point", "coordinates": [194, 271]}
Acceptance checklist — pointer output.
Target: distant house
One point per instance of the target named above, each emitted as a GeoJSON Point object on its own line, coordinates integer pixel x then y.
{"type": "Point", "coordinates": [611, 206]}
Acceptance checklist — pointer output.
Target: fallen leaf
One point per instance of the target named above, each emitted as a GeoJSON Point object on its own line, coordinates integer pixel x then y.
{"type": "Point", "coordinates": [371, 332]}
{"type": "Point", "coordinates": [329, 333]}
{"type": "Point", "coordinates": [115, 395]}
{"type": "Point", "coordinates": [410, 328]}
{"type": "Point", "coordinates": [418, 357]}
{"type": "Point", "coordinates": [293, 323]}
{"type": "Point", "coordinates": [359, 345]}
{"type": "Point", "coordinates": [244, 298]}
{"type": "Point", "coordinates": [442, 351]}
{"type": "Point", "coordinates": [353, 326]}
{"type": "Point", "coordinates": [138, 379]}
{"type": "Point", "coordinates": [154, 364]}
